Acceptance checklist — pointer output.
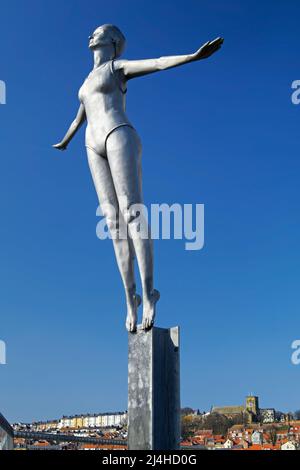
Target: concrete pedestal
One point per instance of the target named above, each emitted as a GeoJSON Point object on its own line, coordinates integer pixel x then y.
{"type": "Point", "coordinates": [154, 390]}
{"type": "Point", "coordinates": [6, 434]}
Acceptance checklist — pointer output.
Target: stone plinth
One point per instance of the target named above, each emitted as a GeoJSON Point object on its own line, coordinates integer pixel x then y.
{"type": "Point", "coordinates": [154, 390]}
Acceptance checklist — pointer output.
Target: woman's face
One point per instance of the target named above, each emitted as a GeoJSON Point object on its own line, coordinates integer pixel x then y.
{"type": "Point", "coordinates": [99, 38]}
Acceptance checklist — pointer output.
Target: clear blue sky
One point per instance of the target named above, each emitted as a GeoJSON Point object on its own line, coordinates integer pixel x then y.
{"type": "Point", "coordinates": [222, 132]}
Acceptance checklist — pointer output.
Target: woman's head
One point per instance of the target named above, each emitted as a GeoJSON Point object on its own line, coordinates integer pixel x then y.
{"type": "Point", "coordinates": [106, 35]}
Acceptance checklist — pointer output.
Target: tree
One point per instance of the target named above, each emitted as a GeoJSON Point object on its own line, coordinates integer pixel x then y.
{"type": "Point", "coordinates": [218, 423]}
{"type": "Point", "coordinates": [240, 418]}
{"type": "Point", "coordinates": [187, 426]}
{"type": "Point", "coordinates": [190, 424]}
{"type": "Point", "coordinates": [187, 411]}
{"type": "Point", "coordinates": [272, 431]}
{"type": "Point", "coordinates": [297, 414]}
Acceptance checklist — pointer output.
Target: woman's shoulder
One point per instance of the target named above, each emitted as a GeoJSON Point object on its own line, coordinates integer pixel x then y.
{"type": "Point", "coordinates": [118, 64]}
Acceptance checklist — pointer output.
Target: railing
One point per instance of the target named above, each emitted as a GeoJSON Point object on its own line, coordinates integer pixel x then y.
{"type": "Point", "coordinates": [47, 436]}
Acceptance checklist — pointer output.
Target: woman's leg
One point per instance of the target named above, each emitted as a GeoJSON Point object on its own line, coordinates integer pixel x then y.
{"type": "Point", "coordinates": [123, 148]}
{"type": "Point", "coordinates": [123, 249]}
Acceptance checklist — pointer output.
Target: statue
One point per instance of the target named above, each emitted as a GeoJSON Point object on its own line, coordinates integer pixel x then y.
{"type": "Point", "coordinates": [114, 155]}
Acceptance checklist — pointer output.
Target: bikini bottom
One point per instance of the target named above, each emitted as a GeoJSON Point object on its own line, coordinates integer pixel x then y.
{"type": "Point", "coordinates": [103, 153]}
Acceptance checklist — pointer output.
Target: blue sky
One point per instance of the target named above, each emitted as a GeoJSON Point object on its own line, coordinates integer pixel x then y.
{"type": "Point", "coordinates": [222, 132]}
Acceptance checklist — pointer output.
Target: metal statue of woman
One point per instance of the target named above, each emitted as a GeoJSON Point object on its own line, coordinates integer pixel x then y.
{"type": "Point", "coordinates": [114, 155]}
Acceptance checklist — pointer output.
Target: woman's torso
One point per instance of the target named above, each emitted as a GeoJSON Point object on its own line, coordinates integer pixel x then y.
{"type": "Point", "coordinates": [103, 96]}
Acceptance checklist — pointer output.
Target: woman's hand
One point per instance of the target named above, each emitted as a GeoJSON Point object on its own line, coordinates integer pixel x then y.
{"type": "Point", "coordinates": [76, 124]}
{"type": "Point", "coordinates": [208, 49]}
{"type": "Point", "coordinates": [60, 146]}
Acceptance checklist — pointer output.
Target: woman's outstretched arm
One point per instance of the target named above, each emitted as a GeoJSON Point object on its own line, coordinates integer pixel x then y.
{"type": "Point", "coordinates": [137, 68]}
{"type": "Point", "coordinates": [76, 124]}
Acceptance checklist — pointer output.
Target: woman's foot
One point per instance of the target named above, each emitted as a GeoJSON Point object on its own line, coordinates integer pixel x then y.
{"type": "Point", "coordinates": [149, 310]}
{"type": "Point", "coordinates": [133, 302]}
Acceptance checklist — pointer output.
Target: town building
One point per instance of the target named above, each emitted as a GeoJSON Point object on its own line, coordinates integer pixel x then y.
{"type": "Point", "coordinates": [250, 411]}
{"type": "Point", "coordinates": [84, 421]}
{"type": "Point", "coordinates": [257, 438]}
{"type": "Point", "coordinates": [267, 415]}
{"type": "Point", "coordinates": [290, 445]}
{"type": "Point", "coordinates": [228, 444]}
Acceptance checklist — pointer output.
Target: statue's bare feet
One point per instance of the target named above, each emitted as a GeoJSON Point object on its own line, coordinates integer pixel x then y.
{"type": "Point", "coordinates": [149, 310]}
{"type": "Point", "coordinates": [133, 303]}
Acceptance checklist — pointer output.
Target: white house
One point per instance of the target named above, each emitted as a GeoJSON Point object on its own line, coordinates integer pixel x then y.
{"type": "Point", "coordinates": [289, 445]}
{"type": "Point", "coordinates": [64, 422]}
{"type": "Point", "coordinates": [257, 437]}
{"type": "Point", "coordinates": [228, 444]}
{"type": "Point", "coordinates": [100, 421]}
{"type": "Point", "coordinates": [92, 421]}
{"type": "Point", "coordinates": [86, 421]}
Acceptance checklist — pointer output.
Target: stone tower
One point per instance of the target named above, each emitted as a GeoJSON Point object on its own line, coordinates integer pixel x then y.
{"type": "Point", "coordinates": [252, 405]}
